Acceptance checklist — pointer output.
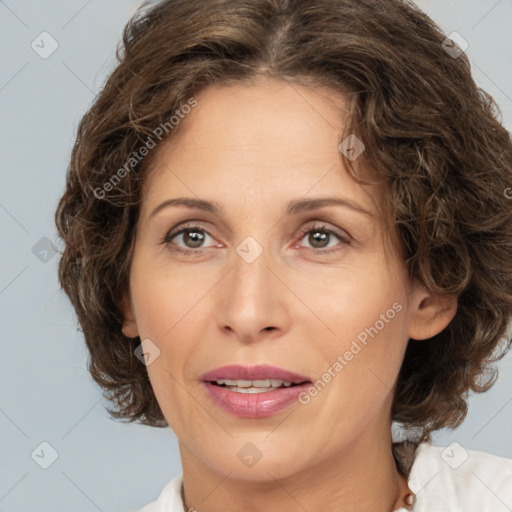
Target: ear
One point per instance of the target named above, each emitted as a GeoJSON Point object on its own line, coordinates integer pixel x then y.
{"type": "Point", "coordinates": [429, 313]}
{"type": "Point", "coordinates": [129, 328]}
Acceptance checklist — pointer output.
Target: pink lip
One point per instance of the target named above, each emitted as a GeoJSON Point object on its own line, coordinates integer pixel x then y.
{"type": "Point", "coordinates": [255, 405]}
{"type": "Point", "coordinates": [258, 372]}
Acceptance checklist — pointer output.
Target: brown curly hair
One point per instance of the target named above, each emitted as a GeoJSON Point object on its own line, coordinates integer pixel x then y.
{"type": "Point", "coordinates": [431, 136]}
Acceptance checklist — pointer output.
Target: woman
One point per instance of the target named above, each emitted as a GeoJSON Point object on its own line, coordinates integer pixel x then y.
{"type": "Point", "coordinates": [286, 226]}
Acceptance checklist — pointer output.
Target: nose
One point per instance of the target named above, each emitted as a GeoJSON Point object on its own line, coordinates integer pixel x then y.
{"type": "Point", "coordinates": [253, 300]}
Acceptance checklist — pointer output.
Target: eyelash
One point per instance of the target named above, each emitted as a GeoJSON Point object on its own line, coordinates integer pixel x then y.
{"type": "Point", "coordinates": [304, 231]}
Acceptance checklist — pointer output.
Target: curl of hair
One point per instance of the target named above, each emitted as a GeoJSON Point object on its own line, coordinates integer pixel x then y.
{"type": "Point", "coordinates": [431, 136]}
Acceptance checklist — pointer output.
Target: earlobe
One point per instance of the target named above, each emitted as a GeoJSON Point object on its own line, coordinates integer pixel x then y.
{"type": "Point", "coordinates": [129, 328]}
{"type": "Point", "coordinates": [431, 314]}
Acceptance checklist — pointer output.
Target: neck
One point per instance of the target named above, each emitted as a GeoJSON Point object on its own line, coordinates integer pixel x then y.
{"type": "Point", "coordinates": [361, 476]}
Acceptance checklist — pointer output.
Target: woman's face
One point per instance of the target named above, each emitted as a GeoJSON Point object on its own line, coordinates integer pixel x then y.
{"type": "Point", "coordinates": [270, 279]}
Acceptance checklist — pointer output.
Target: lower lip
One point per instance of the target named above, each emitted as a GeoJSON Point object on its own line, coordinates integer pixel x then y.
{"type": "Point", "coordinates": [254, 405]}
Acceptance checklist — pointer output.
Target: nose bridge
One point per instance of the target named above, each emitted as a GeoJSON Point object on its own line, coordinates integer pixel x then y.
{"type": "Point", "coordinates": [251, 298]}
{"type": "Point", "coordinates": [251, 275]}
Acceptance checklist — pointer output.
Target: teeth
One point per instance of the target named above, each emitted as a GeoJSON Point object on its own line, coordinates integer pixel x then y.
{"type": "Point", "coordinates": [260, 384]}
{"type": "Point", "coordinates": [249, 390]}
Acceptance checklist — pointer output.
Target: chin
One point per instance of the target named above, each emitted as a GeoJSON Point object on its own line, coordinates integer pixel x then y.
{"type": "Point", "coordinates": [252, 458]}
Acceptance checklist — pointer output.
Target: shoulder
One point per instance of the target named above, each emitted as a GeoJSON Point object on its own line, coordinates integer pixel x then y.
{"type": "Point", "coordinates": [169, 500]}
{"type": "Point", "coordinates": [455, 478]}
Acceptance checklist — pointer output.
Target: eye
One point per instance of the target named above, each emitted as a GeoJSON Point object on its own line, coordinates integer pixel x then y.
{"type": "Point", "coordinates": [192, 238]}
{"type": "Point", "coordinates": [319, 237]}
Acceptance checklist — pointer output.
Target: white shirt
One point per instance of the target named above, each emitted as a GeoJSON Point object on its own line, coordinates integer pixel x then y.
{"type": "Point", "coordinates": [451, 479]}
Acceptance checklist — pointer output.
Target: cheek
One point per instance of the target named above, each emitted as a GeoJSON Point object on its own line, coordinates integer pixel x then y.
{"type": "Point", "coordinates": [162, 299]}
{"type": "Point", "coordinates": [365, 362]}
{"type": "Point", "coordinates": [169, 312]}
{"type": "Point", "coordinates": [358, 300]}
{"type": "Point", "coordinates": [366, 313]}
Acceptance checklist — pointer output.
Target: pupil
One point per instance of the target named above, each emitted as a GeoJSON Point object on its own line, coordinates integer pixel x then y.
{"type": "Point", "coordinates": [318, 236]}
{"type": "Point", "coordinates": [196, 238]}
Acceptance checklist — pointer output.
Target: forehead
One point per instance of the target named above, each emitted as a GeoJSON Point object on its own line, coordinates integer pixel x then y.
{"type": "Point", "coordinates": [256, 143]}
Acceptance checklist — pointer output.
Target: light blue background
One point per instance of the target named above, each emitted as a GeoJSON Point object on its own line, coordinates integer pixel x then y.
{"type": "Point", "coordinates": [46, 391]}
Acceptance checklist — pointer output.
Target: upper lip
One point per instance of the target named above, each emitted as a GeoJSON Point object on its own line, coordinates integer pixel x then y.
{"type": "Point", "coordinates": [258, 372]}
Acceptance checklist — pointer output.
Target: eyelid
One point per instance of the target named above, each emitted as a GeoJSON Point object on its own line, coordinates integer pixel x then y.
{"type": "Point", "coordinates": [186, 226]}
{"type": "Point", "coordinates": [321, 225]}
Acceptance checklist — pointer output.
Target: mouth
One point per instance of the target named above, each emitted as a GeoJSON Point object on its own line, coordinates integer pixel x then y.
{"type": "Point", "coordinates": [254, 391]}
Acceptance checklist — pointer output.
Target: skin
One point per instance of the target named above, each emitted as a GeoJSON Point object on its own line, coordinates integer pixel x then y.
{"type": "Point", "coordinates": [253, 149]}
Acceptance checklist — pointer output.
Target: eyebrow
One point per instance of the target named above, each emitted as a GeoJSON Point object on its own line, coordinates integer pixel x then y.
{"type": "Point", "coordinates": [293, 208]}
